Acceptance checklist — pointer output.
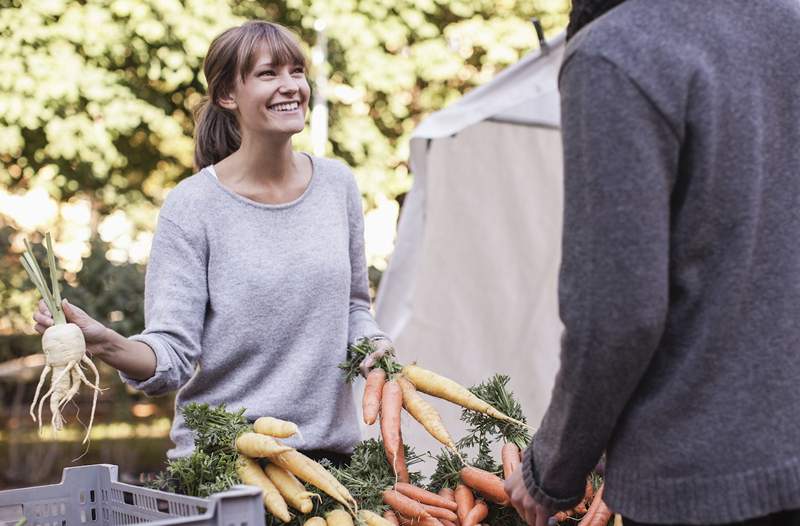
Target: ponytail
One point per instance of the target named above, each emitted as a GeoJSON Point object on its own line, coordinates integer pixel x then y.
{"type": "Point", "coordinates": [216, 134]}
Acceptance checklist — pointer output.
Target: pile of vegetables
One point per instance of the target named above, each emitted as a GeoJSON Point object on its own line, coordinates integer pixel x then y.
{"type": "Point", "coordinates": [63, 345]}
{"type": "Point", "coordinates": [379, 487]}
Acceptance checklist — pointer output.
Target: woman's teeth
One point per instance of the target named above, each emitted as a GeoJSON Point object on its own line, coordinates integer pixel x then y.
{"type": "Point", "coordinates": [284, 106]}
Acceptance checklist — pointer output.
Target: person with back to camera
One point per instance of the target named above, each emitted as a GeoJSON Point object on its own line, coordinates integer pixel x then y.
{"type": "Point", "coordinates": [257, 278]}
{"type": "Point", "coordinates": [680, 277]}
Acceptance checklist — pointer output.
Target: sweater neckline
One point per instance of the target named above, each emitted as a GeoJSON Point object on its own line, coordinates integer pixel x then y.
{"type": "Point", "coordinates": [211, 173]}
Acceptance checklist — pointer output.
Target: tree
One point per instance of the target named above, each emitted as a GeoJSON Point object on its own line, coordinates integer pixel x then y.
{"type": "Point", "coordinates": [97, 96]}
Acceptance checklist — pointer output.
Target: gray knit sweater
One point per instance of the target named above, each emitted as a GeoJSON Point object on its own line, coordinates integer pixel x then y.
{"type": "Point", "coordinates": [680, 283]}
{"type": "Point", "coordinates": [253, 305]}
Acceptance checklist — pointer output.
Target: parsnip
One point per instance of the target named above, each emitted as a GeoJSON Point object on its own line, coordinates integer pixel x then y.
{"type": "Point", "coordinates": [63, 345]}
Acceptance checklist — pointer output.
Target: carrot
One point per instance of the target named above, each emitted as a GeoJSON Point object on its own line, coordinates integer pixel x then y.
{"type": "Point", "coordinates": [390, 516]}
{"type": "Point", "coordinates": [465, 500]}
{"type": "Point", "coordinates": [448, 494]}
{"type": "Point", "coordinates": [338, 517]}
{"type": "Point", "coordinates": [425, 414]}
{"type": "Point", "coordinates": [290, 488]}
{"type": "Point", "coordinates": [371, 518]}
{"type": "Point", "coordinates": [510, 457]}
{"type": "Point", "coordinates": [428, 521]}
{"type": "Point", "coordinates": [266, 425]}
{"type": "Point", "coordinates": [617, 520]}
{"type": "Point", "coordinates": [598, 514]}
{"type": "Point", "coordinates": [312, 472]}
{"type": "Point", "coordinates": [371, 402]}
{"type": "Point", "coordinates": [488, 484]}
{"type": "Point", "coordinates": [315, 521]}
{"type": "Point", "coordinates": [440, 513]}
{"type": "Point", "coordinates": [404, 505]}
{"type": "Point", "coordinates": [478, 512]}
{"type": "Point", "coordinates": [424, 496]}
{"type": "Point", "coordinates": [446, 522]}
{"type": "Point", "coordinates": [256, 445]}
{"type": "Point", "coordinates": [63, 345]}
{"type": "Point", "coordinates": [391, 404]}
{"type": "Point", "coordinates": [436, 385]}
{"type": "Point", "coordinates": [250, 473]}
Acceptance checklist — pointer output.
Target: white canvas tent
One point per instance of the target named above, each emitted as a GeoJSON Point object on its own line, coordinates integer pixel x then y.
{"type": "Point", "coordinates": [471, 288]}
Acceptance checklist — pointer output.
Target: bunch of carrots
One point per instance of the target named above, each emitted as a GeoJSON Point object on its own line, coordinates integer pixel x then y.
{"type": "Point", "coordinates": [391, 387]}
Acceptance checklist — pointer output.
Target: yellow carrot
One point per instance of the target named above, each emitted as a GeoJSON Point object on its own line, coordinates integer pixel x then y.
{"type": "Point", "coordinates": [371, 518]}
{"type": "Point", "coordinates": [250, 473]}
{"type": "Point", "coordinates": [266, 425]}
{"type": "Point", "coordinates": [256, 445]}
{"type": "Point", "coordinates": [315, 521]}
{"type": "Point", "coordinates": [290, 488]}
{"type": "Point", "coordinates": [312, 472]}
{"type": "Point", "coordinates": [425, 414]}
{"type": "Point", "coordinates": [338, 518]}
{"type": "Point", "coordinates": [437, 385]}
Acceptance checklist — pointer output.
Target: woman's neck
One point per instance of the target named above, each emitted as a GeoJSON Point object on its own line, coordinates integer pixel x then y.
{"type": "Point", "coordinates": [264, 160]}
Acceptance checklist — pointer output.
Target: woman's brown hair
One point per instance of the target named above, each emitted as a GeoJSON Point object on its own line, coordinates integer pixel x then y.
{"type": "Point", "coordinates": [232, 53]}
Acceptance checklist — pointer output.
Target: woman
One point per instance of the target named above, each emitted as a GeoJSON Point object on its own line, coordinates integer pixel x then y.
{"type": "Point", "coordinates": [257, 279]}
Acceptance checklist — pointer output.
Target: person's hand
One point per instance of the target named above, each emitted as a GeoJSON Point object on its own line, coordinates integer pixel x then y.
{"type": "Point", "coordinates": [382, 346]}
{"type": "Point", "coordinates": [94, 333]}
{"type": "Point", "coordinates": [530, 511]}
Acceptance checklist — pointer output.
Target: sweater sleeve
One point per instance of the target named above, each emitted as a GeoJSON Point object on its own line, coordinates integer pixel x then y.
{"type": "Point", "coordinates": [176, 295]}
{"type": "Point", "coordinates": [621, 159]}
{"type": "Point", "coordinates": [361, 322]}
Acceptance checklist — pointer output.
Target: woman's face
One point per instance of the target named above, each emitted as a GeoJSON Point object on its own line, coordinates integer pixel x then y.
{"type": "Point", "coordinates": [272, 98]}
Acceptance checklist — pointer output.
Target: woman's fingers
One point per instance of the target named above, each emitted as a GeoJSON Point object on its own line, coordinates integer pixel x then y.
{"type": "Point", "coordinates": [43, 308]}
{"type": "Point", "coordinates": [42, 319]}
{"type": "Point", "coordinates": [40, 328]}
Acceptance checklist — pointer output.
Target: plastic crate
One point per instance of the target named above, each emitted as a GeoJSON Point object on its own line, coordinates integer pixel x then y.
{"type": "Point", "coordinates": [92, 496]}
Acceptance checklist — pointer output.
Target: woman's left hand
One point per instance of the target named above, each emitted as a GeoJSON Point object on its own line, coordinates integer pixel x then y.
{"type": "Point", "coordinates": [382, 346]}
{"type": "Point", "coordinates": [528, 509]}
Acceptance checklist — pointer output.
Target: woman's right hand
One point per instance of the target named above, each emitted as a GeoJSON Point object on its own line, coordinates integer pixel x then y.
{"type": "Point", "coordinates": [94, 333]}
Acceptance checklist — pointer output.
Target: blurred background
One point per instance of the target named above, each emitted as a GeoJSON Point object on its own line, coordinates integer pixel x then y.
{"type": "Point", "coordinates": [96, 101]}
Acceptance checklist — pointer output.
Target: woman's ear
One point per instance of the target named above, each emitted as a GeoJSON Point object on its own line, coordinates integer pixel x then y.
{"type": "Point", "coordinates": [227, 102]}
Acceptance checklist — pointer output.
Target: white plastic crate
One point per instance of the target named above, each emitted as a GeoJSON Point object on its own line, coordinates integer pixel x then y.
{"type": "Point", "coordinates": [92, 496]}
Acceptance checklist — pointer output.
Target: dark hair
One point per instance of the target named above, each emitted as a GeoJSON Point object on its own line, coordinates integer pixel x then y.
{"type": "Point", "coordinates": [232, 53]}
{"type": "Point", "coordinates": [584, 11]}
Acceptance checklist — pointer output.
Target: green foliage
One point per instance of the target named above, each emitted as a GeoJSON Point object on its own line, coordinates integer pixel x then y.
{"type": "Point", "coordinates": [356, 354]}
{"type": "Point", "coordinates": [111, 293]}
{"type": "Point", "coordinates": [212, 466]}
{"type": "Point", "coordinates": [481, 426]}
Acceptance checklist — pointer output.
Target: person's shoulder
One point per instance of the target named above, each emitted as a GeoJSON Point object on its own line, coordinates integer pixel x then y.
{"type": "Point", "coordinates": [188, 201]}
{"type": "Point", "coordinates": [334, 172]}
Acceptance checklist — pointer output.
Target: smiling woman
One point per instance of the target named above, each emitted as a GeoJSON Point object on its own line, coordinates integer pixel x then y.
{"type": "Point", "coordinates": [257, 279]}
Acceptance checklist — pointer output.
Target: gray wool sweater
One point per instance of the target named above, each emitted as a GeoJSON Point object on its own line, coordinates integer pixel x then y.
{"type": "Point", "coordinates": [680, 280]}
{"type": "Point", "coordinates": [253, 305]}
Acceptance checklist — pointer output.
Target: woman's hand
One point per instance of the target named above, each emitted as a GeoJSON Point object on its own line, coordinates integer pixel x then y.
{"type": "Point", "coordinates": [94, 333]}
{"type": "Point", "coordinates": [527, 508]}
{"type": "Point", "coordinates": [382, 346]}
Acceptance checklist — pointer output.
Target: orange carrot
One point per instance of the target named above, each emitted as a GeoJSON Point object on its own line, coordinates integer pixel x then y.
{"type": "Point", "coordinates": [510, 457]}
{"type": "Point", "coordinates": [476, 514]}
{"type": "Point", "coordinates": [429, 521]}
{"type": "Point", "coordinates": [391, 405]}
{"type": "Point", "coordinates": [598, 514]}
{"type": "Point", "coordinates": [448, 494]}
{"type": "Point", "coordinates": [488, 484]}
{"type": "Point", "coordinates": [440, 513]}
{"type": "Point", "coordinates": [391, 517]}
{"type": "Point", "coordinates": [446, 522]}
{"type": "Point", "coordinates": [404, 505]}
{"type": "Point", "coordinates": [424, 496]}
{"type": "Point", "coordinates": [465, 500]}
{"type": "Point", "coordinates": [372, 395]}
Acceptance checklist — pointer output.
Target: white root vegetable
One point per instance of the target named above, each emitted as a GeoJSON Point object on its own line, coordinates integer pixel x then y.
{"type": "Point", "coordinates": [64, 349]}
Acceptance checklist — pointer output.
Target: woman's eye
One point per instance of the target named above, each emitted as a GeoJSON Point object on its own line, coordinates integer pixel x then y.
{"type": "Point", "coordinates": [300, 71]}
{"type": "Point", "coordinates": [267, 72]}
